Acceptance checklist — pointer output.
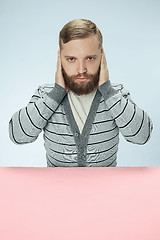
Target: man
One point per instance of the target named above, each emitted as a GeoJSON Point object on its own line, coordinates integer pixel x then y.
{"type": "Point", "coordinates": [82, 113]}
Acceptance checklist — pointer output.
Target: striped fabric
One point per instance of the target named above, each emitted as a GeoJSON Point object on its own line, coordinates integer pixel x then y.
{"type": "Point", "coordinates": [112, 111]}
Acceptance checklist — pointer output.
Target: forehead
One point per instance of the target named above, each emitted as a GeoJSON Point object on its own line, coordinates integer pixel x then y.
{"type": "Point", "coordinates": [88, 45]}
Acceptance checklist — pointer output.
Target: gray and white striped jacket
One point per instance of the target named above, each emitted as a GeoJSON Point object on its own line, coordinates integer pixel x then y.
{"type": "Point", "coordinates": [112, 111]}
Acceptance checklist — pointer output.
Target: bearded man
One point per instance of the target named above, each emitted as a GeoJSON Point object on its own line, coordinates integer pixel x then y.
{"type": "Point", "coordinates": [82, 114]}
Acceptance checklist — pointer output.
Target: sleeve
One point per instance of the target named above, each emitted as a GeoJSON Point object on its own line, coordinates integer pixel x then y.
{"type": "Point", "coordinates": [133, 122]}
{"type": "Point", "coordinates": [27, 123]}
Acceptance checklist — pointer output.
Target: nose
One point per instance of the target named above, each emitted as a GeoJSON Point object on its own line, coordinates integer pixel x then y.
{"type": "Point", "coordinates": [81, 67]}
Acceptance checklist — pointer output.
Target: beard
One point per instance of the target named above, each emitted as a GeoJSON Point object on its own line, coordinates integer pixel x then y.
{"type": "Point", "coordinates": [84, 87]}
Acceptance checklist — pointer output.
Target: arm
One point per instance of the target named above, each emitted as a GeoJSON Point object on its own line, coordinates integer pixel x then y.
{"type": "Point", "coordinates": [133, 122]}
{"type": "Point", "coordinates": [27, 123]}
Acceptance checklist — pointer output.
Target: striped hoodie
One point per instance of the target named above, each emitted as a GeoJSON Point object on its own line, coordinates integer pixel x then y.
{"type": "Point", "coordinates": [112, 111]}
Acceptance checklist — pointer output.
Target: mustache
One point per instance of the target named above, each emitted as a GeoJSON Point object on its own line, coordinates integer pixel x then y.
{"type": "Point", "coordinates": [80, 75]}
{"type": "Point", "coordinates": [84, 75]}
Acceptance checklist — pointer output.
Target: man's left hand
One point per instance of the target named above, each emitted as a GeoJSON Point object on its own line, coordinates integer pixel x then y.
{"type": "Point", "coordinates": [104, 74]}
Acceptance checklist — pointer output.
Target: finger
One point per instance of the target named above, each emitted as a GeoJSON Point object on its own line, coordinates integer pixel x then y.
{"type": "Point", "coordinates": [104, 59]}
{"type": "Point", "coordinates": [101, 59]}
{"type": "Point", "coordinates": [58, 61]}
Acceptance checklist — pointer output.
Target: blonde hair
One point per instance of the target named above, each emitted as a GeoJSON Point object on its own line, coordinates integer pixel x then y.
{"type": "Point", "coordinates": [79, 28]}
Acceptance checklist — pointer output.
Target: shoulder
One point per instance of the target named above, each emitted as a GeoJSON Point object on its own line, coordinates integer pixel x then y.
{"type": "Point", "coordinates": [45, 88]}
{"type": "Point", "coordinates": [120, 88]}
{"type": "Point", "coordinates": [117, 86]}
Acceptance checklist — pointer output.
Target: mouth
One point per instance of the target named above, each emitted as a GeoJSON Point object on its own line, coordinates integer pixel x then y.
{"type": "Point", "coordinates": [82, 79]}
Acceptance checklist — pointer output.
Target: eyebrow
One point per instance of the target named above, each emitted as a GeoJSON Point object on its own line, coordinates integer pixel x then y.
{"type": "Point", "coordinates": [86, 56]}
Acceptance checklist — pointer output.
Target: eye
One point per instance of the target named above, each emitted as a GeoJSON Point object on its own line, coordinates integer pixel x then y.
{"type": "Point", "coordinates": [71, 59]}
{"type": "Point", "coordinates": [90, 58]}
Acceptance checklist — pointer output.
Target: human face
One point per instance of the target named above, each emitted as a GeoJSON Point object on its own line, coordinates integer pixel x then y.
{"type": "Point", "coordinates": [80, 60]}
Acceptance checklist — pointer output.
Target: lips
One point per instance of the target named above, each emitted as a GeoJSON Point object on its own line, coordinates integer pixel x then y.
{"type": "Point", "coordinates": [81, 79]}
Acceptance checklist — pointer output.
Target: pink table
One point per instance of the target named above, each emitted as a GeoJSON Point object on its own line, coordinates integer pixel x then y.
{"type": "Point", "coordinates": [80, 203]}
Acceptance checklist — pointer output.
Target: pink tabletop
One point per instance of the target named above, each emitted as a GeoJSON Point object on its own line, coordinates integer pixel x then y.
{"type": "Point", "coordinates": [80, 203]}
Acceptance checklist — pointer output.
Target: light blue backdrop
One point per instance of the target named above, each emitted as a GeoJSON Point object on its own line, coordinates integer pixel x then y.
{"type": "Point", "coordinates": [29, 44]}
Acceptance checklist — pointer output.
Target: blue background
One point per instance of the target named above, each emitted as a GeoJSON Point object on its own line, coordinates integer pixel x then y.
{"type": "Point", "coordinates": [29, 44]}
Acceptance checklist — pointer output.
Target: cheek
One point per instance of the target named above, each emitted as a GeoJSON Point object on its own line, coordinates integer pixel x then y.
{"type": "Point", "coordinates": [69, 68]}
{"type": "Point", "coordinates": [93, 67]}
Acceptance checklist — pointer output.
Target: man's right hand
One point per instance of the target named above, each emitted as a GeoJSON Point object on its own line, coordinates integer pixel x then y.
{"type": "Point", "coordinates": [59, 76]}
